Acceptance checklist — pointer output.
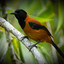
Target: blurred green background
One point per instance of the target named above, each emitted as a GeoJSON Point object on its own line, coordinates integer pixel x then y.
{"type": "Point", "coordinates": [46, 11]}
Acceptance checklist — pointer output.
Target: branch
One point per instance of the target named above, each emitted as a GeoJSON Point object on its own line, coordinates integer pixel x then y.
{"type": "Point", "coordinates": [40, 59]}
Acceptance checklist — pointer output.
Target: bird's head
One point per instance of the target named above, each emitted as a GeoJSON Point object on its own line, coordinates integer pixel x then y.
{"type": "Point", "coordinates": [20, 14]}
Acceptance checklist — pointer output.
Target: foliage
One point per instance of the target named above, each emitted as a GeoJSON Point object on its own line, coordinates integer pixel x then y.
{"type": "Point", "coordinates": [44, 11]}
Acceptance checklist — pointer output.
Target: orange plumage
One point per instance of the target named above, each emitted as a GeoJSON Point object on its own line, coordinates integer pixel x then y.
{"type": "Point", "coordinates": [37, 35]}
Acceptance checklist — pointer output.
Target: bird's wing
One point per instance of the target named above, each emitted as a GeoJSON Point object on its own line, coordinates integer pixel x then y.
{"type": "Point", "coordinates": [37, 27]}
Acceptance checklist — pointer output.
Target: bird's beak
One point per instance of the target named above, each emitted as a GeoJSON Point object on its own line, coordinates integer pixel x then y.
{"type": "Point", "coordinates": [12, 13]}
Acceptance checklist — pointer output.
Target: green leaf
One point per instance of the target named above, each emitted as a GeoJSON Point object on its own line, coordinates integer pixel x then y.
{"type": "Point", "coordinates": [3, 45]}
{"type": "Point", "coordinates": [60, 17]}
{"type": "Point", "coordinates": [9, 10]}
{"type": "Point", "coordinates": [15, 46]}
{"type": "Point", "coordinates": [20, 51]}
{"type": "Point", "coordinates": [42, 20]}
{"type": "Point", "coordinates": [46, 51]}
{"type": "Point", "coordinates": [8, 57]}
{"type": "Point", "coordinates": [27, 55]}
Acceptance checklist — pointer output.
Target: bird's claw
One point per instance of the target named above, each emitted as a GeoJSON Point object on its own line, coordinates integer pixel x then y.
{"type": "Point", "coordinates": [24, 37]}
{"type": "Point", "coordinates": [32, 47]}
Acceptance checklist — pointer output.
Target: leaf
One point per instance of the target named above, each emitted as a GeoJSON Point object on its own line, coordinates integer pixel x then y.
{"type": "Point", "coordinates": [42, 20]}
{"type": "Point", "coordinates": [3, 45]}
{"type": "Point", "coordinates": [20, 51]}
{"type": "Point", "coordinates": [27, 55]}
{"type": "Point", "coordinates": [46, 51]}
{"type": "Point", "coordinates": [8, 57]}
{"type": "Point", "coordinates": [15, 46]}
{"type": "Point", "coordinates": [60, 17]}
{"type": "Point", "coordinates": [9, 10]}
{"type": "Point", "coordinates": [2, 29]}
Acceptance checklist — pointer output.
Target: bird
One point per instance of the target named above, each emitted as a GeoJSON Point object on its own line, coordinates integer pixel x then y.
{"type": "Point", "coordinates": [34, 29]}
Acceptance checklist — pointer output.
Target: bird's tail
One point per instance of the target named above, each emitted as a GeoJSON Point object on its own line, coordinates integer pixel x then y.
{"type": "Point", "coordinates": [59, 51]}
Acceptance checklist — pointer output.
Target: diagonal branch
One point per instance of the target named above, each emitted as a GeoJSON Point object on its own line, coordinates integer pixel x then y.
{"type": "Point", "coordinates": [40, 59]}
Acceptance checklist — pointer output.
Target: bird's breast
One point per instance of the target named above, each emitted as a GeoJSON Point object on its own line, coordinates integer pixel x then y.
{"type": "Point", "coordinates": [36, 35]}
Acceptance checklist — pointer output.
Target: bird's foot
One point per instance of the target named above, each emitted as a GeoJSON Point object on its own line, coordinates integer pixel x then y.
{"type": "Point", "coordinates": [24, 37]}
{"type": "Point", "coordinates": [32, 47]}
